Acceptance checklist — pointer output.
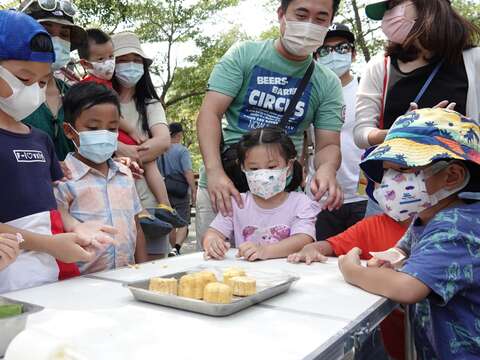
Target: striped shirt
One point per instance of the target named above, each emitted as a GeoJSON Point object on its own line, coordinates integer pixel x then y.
{"type": "Point", "coordinates": [111, 200]}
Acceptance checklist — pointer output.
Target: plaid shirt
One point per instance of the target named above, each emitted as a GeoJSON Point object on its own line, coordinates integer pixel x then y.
{"type": "Point", "coordinates": [113, 201]}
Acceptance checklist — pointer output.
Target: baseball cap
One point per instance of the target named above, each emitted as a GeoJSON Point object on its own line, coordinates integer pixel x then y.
{"type": "Point", "coordinates": [376, 8]}
{"type": "Point", "coordinates": [424, 136]}
{"type": "Point", "coordinates": [125, 43]}
{"type": "Point", "coordinates": [16, 33]}
{"type": "Point", "coordinates": [341, 30]}
{"type": "Point", "coordinates": [175, 128]}
{"type": "Point", "coordinates": [78, 35]}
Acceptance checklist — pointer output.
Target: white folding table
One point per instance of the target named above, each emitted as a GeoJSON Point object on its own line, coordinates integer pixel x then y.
{"type": "Point", "coordinates": [321, 317]}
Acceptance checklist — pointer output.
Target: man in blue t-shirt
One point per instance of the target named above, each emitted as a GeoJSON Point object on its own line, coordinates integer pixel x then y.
{"type": "Point", "coordinates": [176, 165]}
{"type": "Point", "coordinates": [252, 86]}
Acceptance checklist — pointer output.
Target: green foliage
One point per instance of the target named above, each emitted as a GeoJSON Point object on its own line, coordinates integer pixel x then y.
{"type": "Point", "coordinates": [185, 96]}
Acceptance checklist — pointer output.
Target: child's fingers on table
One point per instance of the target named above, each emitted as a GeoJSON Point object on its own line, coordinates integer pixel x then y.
{"type": "Point", "coordinates": [292, 258]}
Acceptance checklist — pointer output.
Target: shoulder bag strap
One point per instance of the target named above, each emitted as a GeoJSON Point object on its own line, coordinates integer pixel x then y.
{"type": "Point", "coordinates": [162, 161]}
{"type": "Point", "coordinates": [384, 91]}
{"type": "Point", "coordinates": [302, 85]}
{"type": "Point", "coordinates": [428, 82]}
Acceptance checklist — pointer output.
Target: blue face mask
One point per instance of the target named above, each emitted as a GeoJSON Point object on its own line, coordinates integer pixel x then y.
{"type": "Point", "coordinates": [338, 63]}
{"type": "Point", "coordinates": [129, 74]}
{"type": "Point", "coordinates": [97, 146]}
{"type": "Point", "coordinates": [62, 53]}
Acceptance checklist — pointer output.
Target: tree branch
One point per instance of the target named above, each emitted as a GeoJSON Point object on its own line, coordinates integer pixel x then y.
{"type": "Point", "coordinates": [183, 97]}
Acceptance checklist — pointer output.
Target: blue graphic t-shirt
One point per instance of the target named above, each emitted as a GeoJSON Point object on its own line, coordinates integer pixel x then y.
{"type": "Point", "coordinates": [262, 84]}
{"type": "Point", "coordinates": [445, 256]}
{"type": "Point", "coordinates": [28, 167]}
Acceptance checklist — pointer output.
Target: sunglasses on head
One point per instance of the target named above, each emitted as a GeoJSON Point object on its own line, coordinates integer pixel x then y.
{"type": "Point", "coordinates": [342, 48]}
{"type": "Point", "coordinates": [66, 6]}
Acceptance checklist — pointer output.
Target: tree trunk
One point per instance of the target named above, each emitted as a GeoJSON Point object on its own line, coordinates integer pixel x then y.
{"type": "Point", "coordinates": [360, 38]}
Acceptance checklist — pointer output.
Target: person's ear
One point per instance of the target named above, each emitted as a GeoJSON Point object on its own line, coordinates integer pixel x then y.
{"type": "Point", "coordinates": [86, 64]}
{"type": "Point", "coordinates": [354, 55]}
{"type": "Point", "coordinates": [454, 176]}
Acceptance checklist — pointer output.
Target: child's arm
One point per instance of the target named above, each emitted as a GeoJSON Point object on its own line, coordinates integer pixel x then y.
{"type": "Point", "coordinates": [215, 244]}
{"type": "Point", "coordinates": [315, 252]}
{"type": "Point", "coordinates": [397, 286]}
{"type": "Point", "coordinates": [251, 251]}
{"type": "Point", "coordinates": [67, 247]}
{"type": "Point", "coordinates": [141, 255]}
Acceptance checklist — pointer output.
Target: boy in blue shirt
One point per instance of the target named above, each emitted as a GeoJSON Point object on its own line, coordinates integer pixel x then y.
{"type": "Point", "coordinates": [28, 164]}
{"type": "Point", "coordinates": [428, 170]}
{"type": "Point", "coordinates": [100, 189]}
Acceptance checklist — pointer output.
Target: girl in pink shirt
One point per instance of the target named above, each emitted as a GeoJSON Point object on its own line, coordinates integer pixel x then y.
{"type": "Point", "coordinates": [275, 221]}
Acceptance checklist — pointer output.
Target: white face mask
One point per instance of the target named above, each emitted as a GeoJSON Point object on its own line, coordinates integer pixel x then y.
{"type": "Point", "coordinates": [302, 38]}
{"type": "Point", "coordinates": [24, 99]}
{"type": "Point", "coordinates": [103, 69]}
{"type": "Point", "coordinates": [404, 195]}
{"type": "Point", "coordinates": [266, 183]}
{"type": "Point", "coordinates": [338, 63]}
{"type": "Point", "coordinates": [62, 53]}
{"type": "Point", "coordinates": [129, 74]}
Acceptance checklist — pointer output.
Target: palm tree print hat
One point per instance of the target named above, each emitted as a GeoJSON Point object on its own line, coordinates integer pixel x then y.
{"type": "Point", "coordinates": [424, 136]}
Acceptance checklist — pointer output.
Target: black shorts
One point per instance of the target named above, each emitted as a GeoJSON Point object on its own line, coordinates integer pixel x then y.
{"type": "Point", "coordinates": [182, 206]}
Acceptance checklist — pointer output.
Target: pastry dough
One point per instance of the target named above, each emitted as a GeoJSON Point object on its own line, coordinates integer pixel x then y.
{"type": "Point", "coordinates": [218, 293]}
{"type": "Point", "coordinates": [231, 273]}
{"type": "Point", "coordinates": [207, 276]}
{"type": "Point", "coordinates": [191, 286]}
{"type": "Point", "coordinates": [243, 286]}
{"type": "Point", "coordinates": [163, 285]}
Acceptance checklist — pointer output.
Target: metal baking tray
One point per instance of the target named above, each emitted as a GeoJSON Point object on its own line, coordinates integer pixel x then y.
{"type": "Point", "coordinates": [12, 326]}
{"type": "Point", "coordinates": [269, 284]}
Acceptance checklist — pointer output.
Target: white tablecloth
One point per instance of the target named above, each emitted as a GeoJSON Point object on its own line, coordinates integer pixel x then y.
{"type": "Point", "coordinates": [101, 318]}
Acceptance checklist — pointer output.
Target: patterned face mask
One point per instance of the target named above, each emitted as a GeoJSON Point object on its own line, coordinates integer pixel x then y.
{"type": "Point", "coordinates": [404, 195]}
{"type": "Point", "coordinates": [266, 183]}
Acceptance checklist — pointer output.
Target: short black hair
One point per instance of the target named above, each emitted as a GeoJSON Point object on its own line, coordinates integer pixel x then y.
{"type": "Point", "coordinates": [41, 43]}
{"type": "Point", "coordinates": [275, 137]}
{"type": "Point", "coordinates": [336, 5]}
{"type": "Point", "coordinates": [85, 95]}
{"type": "Point", "coordinates": [95, 36]}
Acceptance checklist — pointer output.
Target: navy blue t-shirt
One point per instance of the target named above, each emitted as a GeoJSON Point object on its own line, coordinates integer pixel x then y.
{"type": "Point", "coordinates": [28, 166]}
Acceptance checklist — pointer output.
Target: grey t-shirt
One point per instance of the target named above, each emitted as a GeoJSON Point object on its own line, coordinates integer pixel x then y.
{"type": "Point", "coordinates": [177, 160]}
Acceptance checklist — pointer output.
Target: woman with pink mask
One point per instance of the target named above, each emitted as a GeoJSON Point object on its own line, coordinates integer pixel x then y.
{"type": "Point", "coordinates": [431, 59]}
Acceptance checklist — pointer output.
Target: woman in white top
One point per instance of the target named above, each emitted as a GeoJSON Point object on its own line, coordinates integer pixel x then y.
{"type": "Point", "coordinates": [142, 113]}
{"type": "Point", "coordinates": [430, 60]}
{"type": "Point", "coordinates": [423, 35]}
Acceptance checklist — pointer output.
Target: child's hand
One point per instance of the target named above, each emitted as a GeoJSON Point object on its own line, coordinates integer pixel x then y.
{"type": "Point", "coordinates": [70, 247]}
{"type": "Point", "coordinates": [251, 251]}
{"type": "Point", "coordinates": [308, 254]}
{"type": "Point", "coordinates": [374, 262]}
{"type": "Point", "coordinates": [9, 249]}
{"type": "Point", "coordinates": [348, 263]}
{"type": "Point", "coordinates": [96, 234]}
{"type": "Point", "coordinates": [215, 247]}
{"type": "Point", "coordinates": [136, 170]}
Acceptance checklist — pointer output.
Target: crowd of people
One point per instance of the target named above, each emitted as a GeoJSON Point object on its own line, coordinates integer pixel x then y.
{"type": "Point", "coordinates": [302, 159]}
